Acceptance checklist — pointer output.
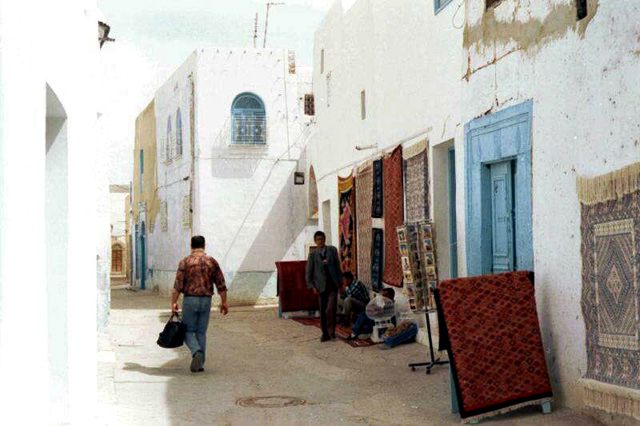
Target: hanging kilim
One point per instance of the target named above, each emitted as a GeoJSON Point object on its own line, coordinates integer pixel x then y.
{"type": "Point", "coordinates": [377, 197]}
{"type": "Point", "coordinates": [377, 258]}
{"type": "Point", "coordinates": [364, 190]}
{"type": "Point", "coordinates": [393, 216]}
{"type": "Point", "coordinates": [610, 227]}
{"type": "Point", "coordinates": [347, 223]}
{"type": "Point", "coordinates": [417, 182]}
{"type": "Point", "coordinates": [494, 343]}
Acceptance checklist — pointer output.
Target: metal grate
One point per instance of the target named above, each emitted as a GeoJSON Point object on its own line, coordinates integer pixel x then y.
{"type": "Point", "coordinates": [249, 128]}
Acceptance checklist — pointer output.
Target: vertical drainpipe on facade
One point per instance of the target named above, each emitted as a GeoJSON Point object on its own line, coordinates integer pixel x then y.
{"type": "Point", "coordinates": [286, 100]}
{"type": "Point", "coordinates": [192, 127]}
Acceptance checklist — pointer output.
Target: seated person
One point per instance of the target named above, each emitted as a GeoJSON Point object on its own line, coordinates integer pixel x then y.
{"type": "Point", "coordinates": [353, 298]}
{"type": "Point", "coordinates": [364, 324]}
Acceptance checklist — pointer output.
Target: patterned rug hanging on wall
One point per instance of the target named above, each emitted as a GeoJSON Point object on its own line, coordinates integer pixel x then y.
{"type": "Point", "coordinates": [364, 191]}
{"type": "Point", "coordinates": [377, 258]}
{"type": "Point", "coordinates": [417, 182]}
{"type": "Point", "coordinates": [378, 189]}
{"type": "Point", "coordinates": [393, 216]}
{"type": "Point", "coordinates": [610, 228]}
{"type": "Point", "coordinates": [347, 223]}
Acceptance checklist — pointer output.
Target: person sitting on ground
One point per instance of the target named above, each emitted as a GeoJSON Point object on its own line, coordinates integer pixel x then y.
{"type": "Point", "coordinates": [354, 297]}
{"type": "Point", "coordinates": [364, 324]}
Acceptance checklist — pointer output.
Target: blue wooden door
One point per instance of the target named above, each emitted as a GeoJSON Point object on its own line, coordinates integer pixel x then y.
{"type": "Point", "coordinates": [502, 256]}
{"type": "Point", "coordinates": [453, 229]}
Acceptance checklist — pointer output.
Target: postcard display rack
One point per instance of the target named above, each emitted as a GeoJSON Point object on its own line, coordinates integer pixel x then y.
{"type": "Point", "coordinates": [418, 257]}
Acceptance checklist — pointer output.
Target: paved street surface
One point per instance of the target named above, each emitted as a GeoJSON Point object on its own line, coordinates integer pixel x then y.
{"type": "Point", "coordinates": [253, 354]}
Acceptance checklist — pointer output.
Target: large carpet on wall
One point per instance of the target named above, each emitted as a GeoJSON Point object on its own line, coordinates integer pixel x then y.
{"type": "Point", "coordinates": [494, 343]}
{"type": "Point", "coordinates": [610, 228]}
{"type": "Point", "coordinates": [364, 191]}
{"type": "Point", "coordinates": [417, 182]}
{"type": "Point", "coordinates": [377, 198]}
{"type": "Point", "coordinates": [393, 216]}
{"type": "Point", "coordinates": [377, 258]}
{"type": "Point", "coordinates": [347, 223]}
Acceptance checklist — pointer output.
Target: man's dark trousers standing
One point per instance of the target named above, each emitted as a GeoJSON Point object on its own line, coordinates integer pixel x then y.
{"type": "Point", "coordinates": [329, 309]}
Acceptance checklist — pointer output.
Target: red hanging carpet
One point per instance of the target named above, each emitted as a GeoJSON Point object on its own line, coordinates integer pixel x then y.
{"type": "Point", "coordinates": [342, 332]}
{"type": "Point", "coordinates": [494, 343]}
{"type": "Point", "coordinates": [393, 216]}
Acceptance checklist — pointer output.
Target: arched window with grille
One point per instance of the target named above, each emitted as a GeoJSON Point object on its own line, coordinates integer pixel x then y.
{"type": "Point", "coordinates": [178, 132]}
{"type": "Point", "coordinates": [169, 140]}
{"type": "Point", "coordinates": [248, 120]}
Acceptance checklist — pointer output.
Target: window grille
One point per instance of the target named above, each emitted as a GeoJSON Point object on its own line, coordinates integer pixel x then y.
{"type": "Point", "coordinates": [309, 104]}
{"type": "Point", "coordinates": [248, 120]}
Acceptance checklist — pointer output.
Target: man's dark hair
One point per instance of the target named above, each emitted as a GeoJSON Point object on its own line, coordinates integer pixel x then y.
{"type": "Point", "coordinates": [389, 291]}
{"type": "Point", "coordinates": [319, 234]}
{"type": "Point", "coordinates": [197, 242]}
{"type": "Point", "coordinates": [348, 275]}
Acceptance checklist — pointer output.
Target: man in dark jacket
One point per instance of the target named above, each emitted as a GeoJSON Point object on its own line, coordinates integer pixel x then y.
{"type": "Point", "coordinates": [323, 276]}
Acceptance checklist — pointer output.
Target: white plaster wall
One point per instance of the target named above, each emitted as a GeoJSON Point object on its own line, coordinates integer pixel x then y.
{"type": "Point", "coordinates": [585, 93]}
{"type": "Point", "coordinates": [166, 248]}
{"type": "Point", "coordinates": [408, 61]}
{"type": "Point", "coordinates": [246, 202]}
{"type": "Point", "coordinates": [29, 59]}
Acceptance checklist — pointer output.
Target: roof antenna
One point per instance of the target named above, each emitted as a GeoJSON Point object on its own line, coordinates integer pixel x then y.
{"type": "Point", "coordinates": [266, 21]}
{"type": "Point", "coordinates": [255, 31]}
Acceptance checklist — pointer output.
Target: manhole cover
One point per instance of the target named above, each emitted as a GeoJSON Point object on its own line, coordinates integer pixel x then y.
{"type": "Point", "coordinates": [270, 401]}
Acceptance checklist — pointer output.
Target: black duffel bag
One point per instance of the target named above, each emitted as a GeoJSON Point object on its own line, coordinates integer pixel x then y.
{"type": "Point", "coordinates": [173, 334]}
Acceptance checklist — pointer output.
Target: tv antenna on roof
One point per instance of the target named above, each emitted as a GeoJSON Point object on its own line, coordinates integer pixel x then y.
{"type": "Point", "coordinates": [266, 20]}
{"type": "Point", "coordinates": [255, 31]}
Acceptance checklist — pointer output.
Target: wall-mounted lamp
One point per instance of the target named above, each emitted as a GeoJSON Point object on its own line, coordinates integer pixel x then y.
{"type": "Point", "coordinates": [298, 178]}
{"type": "Point", "coordinates": [103, 33]}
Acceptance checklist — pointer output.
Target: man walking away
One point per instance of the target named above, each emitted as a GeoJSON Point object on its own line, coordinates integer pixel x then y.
{"type": "Point", "coordinates": [354, 298]}
{"type": "Point", "coordinates": [323, 276]}
{"type": "Point", "coordinates": [196, 276]}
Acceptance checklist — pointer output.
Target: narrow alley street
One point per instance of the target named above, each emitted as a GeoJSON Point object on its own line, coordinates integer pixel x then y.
{"type": "Point", "coordinates": [254, 354]}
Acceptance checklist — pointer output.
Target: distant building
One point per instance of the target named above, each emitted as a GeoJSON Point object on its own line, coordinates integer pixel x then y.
{"type": "Point", "coordinates": [120, 270]}
{"type": "Point", "coordinates": [215, 154]}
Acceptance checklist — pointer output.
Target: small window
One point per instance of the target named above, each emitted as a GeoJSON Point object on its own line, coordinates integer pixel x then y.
{"type": "Point", "coordinates": [186, 211]}
{"type": "Point", "coordinates": [328, 90]}
{"type": "Point", "coordinates": [322, 61]}
{"type": "Point", "coordinates": [141, 161]}
{"type": "Point", "coordinates": [363, 105]}
{"type": "Point", "coordinates": [492, 2]}
{"type": "Point", "coordinates": [248, 120]}
{"type": "Point", "coordinates": [583, 10]}
{"type": "Point", "coordinates": [178, 132]}
{"type": "Point", "coordinates": [309, 104]}
{"type": "Point", "coordinates": [164, 216]}
{"type": "Point", "coordinates": [438, 5]}
{"type": "Point", "coordinates": [292, 61]}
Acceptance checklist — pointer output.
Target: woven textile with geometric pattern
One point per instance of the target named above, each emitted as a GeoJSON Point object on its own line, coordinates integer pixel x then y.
{"type": "Point", "coordinates": [347, 223]}
{"type": "Point", "coordinates": [393, 216]}
{"type": "Point", "coordinates": [495, 346]}
{"type": "Point", "coordinates": [610, 227]}
{"type": "Point", "coordinates": [417, 190]}
{"type": "Point", "coordinates": [364, 191]}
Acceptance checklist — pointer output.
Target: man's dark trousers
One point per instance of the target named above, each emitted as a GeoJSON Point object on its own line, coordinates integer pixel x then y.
{"type": "Point", "coordinates": [329, 309]}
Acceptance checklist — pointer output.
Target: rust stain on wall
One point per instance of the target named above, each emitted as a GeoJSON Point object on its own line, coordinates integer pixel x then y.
{"type": "Point", "coordinates": [145, 139]}
{"type": "Point", "coordinates": [528, 34]}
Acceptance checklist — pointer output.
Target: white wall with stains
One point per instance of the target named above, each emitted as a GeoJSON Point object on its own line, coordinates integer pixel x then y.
{"type": "Point", "coordinates": [584, 82]}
